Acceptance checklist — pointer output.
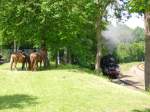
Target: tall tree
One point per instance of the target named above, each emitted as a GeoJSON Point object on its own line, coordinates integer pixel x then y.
{"type": "Point", "coordinates": [143, 7]}
{"type": "Point", "coordinates": [101, 8]}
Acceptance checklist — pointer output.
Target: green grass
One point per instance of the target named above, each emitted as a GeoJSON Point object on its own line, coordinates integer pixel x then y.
{"type": "Point", "coordinates": [66, 90]}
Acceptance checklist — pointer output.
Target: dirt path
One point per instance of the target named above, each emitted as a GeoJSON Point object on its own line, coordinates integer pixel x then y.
{"type": "Point", "coordinates": [134, 78]}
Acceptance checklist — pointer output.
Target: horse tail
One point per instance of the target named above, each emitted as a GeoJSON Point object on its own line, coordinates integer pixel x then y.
{"type": "Point", "coordinates": [11, 59]}
{"type": "Point", "coordinates": [26, 62]}
{"type": "Point", "coordinates": [33, 61]}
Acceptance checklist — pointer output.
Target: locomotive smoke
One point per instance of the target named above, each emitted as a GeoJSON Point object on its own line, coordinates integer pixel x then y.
{"type": "Point", "coordinates": [115, 35]}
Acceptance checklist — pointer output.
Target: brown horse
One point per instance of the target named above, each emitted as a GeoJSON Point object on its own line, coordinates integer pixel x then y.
{"type": "Point", "coordinates": [18, 57]}
{"type": "Point", "coordinates": [37, 57]}
{"type": "Point", "coordinates": [43, 53]}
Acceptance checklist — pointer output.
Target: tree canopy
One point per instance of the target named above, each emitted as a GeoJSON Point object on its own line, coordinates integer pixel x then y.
{"type": "Point", "coordinates": [139, 6]}
{"type": "Point", "coordinates": [73, 24]}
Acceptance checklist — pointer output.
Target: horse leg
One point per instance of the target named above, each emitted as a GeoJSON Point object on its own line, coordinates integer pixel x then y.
{"type": "Point", "coordinates": [16, 65]}
{"type": "Point", "coordinates": [35, 65]}
{"type": "Point", "coordinates": [26, 64]}
{"type": "Point", "coordinates": [40, 64]}
{"type": "Point", "coordinates": [29, 65]}
{"type": "Point", "coordinates": [32, 65]}
{"type": "Point", "coordinates": [44, 62]}
{"type": "Point", "coordinates": [11, 65]}
{"type": "Point", "coordinates": [23, 65]}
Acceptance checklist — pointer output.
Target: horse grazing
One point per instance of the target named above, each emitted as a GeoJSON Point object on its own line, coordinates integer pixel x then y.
{"type": "Point", "coordinates": [18, 57]}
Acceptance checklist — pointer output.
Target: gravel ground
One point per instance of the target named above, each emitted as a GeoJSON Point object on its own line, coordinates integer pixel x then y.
{"type": "Point", "coordinates": [134, 78]}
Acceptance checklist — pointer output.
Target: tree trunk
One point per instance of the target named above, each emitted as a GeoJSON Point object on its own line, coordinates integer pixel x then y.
{"type": "Point", "coordinates": [98, 38]}
{"type": "Point", "coordinates": [15, 46]}
{"type": "Point", "coordinates": [57, 59]}
{"type": "Point", "coordinates": [147, 50]}
{"type": "Point", "coordinates": [69, 57]}
{"type": "Point", "coordinates": [43, 45]}
{"type": "Point", "coordinates": [1, 47]}
{"type": "Point", "coordinates": [65, 55]}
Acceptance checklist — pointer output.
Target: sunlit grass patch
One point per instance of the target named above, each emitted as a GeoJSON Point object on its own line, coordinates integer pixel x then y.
{"type": "Point", "coordinates": [65, 90]}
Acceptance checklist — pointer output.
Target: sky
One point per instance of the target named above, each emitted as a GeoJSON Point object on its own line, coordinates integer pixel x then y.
{"type": "Point", "coordinates": [133, 22]}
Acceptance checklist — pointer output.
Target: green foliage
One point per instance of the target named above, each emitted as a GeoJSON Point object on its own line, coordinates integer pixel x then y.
{"type": "Point", "coordinates": [60, 23]}
{"type": "Point", "coordinates": [139, 6]}
{"type": "Point", "coordinates": [138, 34]}
{"type": "Point", "coordinates": [128, 52]}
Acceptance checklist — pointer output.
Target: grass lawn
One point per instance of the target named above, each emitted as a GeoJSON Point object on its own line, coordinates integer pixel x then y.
{"type": "Point", "coordinates": [66, 90]}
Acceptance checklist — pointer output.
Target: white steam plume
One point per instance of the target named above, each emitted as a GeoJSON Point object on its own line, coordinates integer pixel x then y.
{"type": "Point", "coordinates": [116, 34]}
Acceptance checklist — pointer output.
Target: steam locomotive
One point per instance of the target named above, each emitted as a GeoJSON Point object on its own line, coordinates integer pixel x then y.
{"type": "Point", "coordinates": [109, 66]}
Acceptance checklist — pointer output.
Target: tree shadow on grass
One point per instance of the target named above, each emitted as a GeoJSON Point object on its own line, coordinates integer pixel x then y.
{"type": "Point", "coordinates": [17, 101]}
{"type": "Point", "coordinates": [145, 110]}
